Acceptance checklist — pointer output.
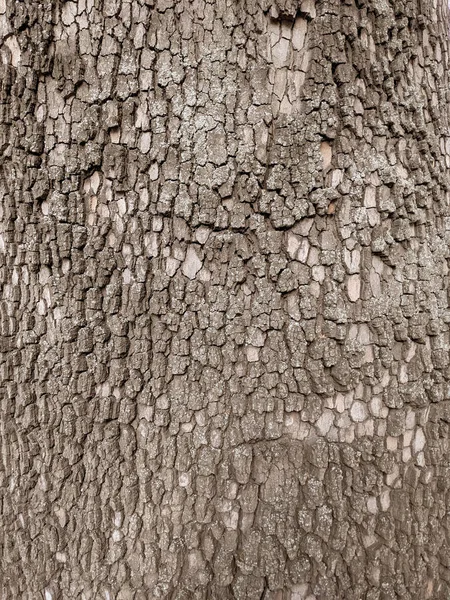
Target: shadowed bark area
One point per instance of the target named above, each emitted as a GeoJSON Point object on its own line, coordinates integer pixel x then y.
{"type": "Point", "coordinates": [224, 316]}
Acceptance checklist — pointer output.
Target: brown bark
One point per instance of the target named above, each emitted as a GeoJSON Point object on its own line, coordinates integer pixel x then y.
{"type": "Point", "coordinates": [224, 236]}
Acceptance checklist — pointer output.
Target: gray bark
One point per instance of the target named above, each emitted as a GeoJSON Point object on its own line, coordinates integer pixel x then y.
{"type": "Point", "coordinates": [224, 245]}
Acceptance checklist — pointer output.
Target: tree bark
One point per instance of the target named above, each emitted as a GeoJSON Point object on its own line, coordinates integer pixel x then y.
{"type": "Point", "coordinates": [224, 245]}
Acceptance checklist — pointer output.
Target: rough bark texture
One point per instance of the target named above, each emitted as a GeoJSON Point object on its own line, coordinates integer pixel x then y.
{"type": "Point", "coordinates": [224, 237]}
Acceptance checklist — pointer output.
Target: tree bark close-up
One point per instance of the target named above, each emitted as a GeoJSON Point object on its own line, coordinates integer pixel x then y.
{"type": "Point", "coordinates": [224, 303]}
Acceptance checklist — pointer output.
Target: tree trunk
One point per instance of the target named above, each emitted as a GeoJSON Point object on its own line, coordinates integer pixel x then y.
{"type": "Point", "coordinates": [224, 236]}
